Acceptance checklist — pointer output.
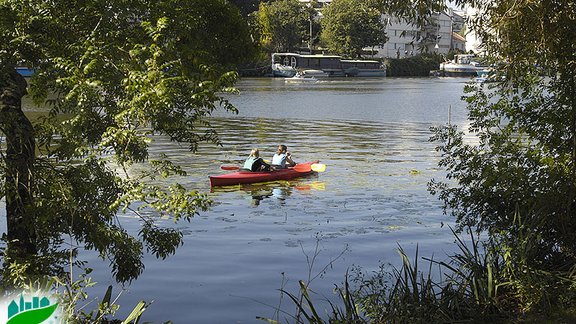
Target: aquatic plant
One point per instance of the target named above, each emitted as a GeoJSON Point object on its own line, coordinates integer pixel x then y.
{"type": "Point", "coordinates": [484, 281]}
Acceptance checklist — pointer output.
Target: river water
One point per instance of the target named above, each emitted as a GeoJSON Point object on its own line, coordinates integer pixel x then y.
{"type": "Point", "coordinates": [373, 136]}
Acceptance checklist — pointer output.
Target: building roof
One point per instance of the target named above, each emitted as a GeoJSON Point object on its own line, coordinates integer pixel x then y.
{"type": "Point", "coordinates": [458, 37]}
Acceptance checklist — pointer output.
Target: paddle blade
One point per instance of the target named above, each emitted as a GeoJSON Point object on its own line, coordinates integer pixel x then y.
{"type": "Point", "coordinates": [230, 167]}
{"type": "Point", "coordinates": [318, 167]}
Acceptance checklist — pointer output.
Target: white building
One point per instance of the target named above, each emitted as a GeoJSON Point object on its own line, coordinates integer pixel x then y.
{"type": "Point", "coordinates": [403, 38]}
{"type": "Point", "coordinates": [406, 39]}
{"type": "Point", "coordinates": [438, 37]}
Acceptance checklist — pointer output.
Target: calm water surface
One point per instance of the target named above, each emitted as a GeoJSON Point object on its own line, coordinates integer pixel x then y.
{"type": "Point", "coordinates": [373, 136]}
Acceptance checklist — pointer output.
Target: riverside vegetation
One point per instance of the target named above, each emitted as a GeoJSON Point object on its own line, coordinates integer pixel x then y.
{"type": "Point", "coordinates": [514, 186]}
{"type": "Point", "coordinates": [112, 74]}
{"type": "Point", "coordinates": [124, 70]}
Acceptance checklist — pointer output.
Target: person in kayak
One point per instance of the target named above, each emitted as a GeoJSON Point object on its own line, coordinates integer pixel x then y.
{"type": "Point", "coordinates": [282, 158]}
{"type": "Point", "coordinates": [255, 163]}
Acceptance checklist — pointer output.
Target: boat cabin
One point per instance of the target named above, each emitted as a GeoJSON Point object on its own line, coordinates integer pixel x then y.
{"type": "Point", "coordinates": [465, 59]}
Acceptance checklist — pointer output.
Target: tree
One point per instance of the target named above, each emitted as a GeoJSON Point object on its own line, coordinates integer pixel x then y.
{"type": "Point", "coordinates": [246, 6]}
{"type": "Point", "coordinates": [521, 174]}
{"type": "Point", "coordinates": [349, 26]}
{"type": "Point", "coordinates": [283, 25]}
{"type": "Point", "coordinates": [121, 72]}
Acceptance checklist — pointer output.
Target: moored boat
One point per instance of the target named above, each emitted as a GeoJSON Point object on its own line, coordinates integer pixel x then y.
{"type": "Point", "coordinates": [326, 65]}
{"type": "Point", "coordinates": [279, 70]}
{"type": "Point", "coordinates": [242, 177]}
{"type": "Point", "coordinates": [301, 78]}
{"type": "Point", "coordinates": [463, 65]}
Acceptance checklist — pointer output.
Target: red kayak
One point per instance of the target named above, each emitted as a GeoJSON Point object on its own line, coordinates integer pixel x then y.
{"type": "Point", "coordinates": [240, 177]}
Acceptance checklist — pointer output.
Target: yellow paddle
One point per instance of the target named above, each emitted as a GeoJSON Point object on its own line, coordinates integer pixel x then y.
{"type": "Point", "coordinates": [318, 167]}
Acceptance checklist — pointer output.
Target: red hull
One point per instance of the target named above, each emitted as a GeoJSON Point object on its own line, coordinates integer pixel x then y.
{"type": "Point", "coordinates": [242, 177]}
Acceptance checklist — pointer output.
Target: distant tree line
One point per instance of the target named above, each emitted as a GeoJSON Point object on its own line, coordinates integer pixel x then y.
{"type": "Point", "coordinates": [344, 27]}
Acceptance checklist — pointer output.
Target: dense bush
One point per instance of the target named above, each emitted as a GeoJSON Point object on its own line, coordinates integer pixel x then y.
{"type": "Point", "coordinates": [419, 65]}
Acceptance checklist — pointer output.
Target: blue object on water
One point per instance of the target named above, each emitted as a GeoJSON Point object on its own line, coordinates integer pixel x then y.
{"type": "Point", "coordinates": [24, 71]}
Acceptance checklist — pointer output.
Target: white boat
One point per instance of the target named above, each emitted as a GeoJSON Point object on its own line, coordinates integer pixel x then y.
{"type": "Point", "coordinates": [280, 70]}
{"type": "Point", "coordinates": [313, 73]}
{"type": "Point", "coordinates": [301, 78]}
{"type": "Point", "coordinates": [462, 65]}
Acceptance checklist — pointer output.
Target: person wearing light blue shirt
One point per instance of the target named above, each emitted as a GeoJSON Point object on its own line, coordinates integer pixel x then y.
{"type": "Point", "coordinates": [282, 158]}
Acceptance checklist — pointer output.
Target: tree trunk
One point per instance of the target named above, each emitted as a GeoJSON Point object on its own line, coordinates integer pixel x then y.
{"type": "Point", "coordinates": [19, 162]}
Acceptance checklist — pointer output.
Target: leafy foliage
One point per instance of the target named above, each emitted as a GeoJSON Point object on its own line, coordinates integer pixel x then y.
{"type": "Point", "coordinates": [115, 75]}
{"type": "Point", "coordinates": [350, 25]}
{"type": "Point", "coordinates": [419, 65]}
{"type": "Point", "coordinates": [518, 156]}
{"type": "Point", "coordinates": [511, 177]}
{"type": "Point", "coordinates": [246, 6]}
{"type": "Point", "coordinates": [283, 25]}
{"type": "Point", "coordinates": [525, 158]}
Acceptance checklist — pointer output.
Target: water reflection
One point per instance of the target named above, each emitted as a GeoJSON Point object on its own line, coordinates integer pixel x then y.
{"type": "Point", "coordinates": [278, 191]}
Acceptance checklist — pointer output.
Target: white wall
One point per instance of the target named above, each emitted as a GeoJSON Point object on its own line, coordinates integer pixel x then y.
{"type": "Point", "coordinates": [404, 37]}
